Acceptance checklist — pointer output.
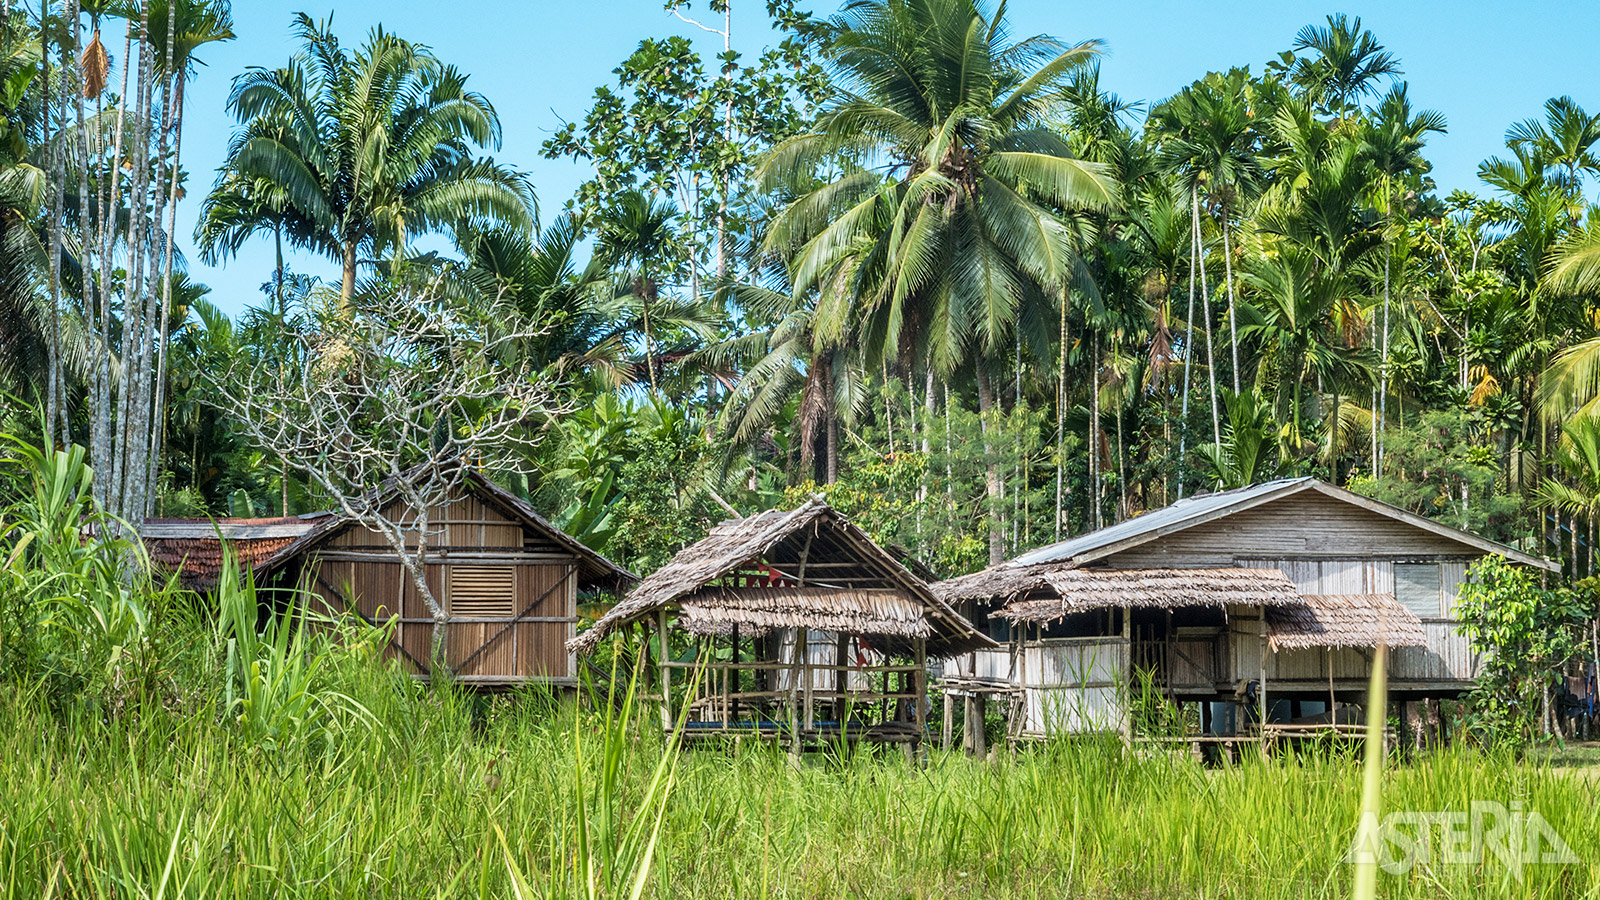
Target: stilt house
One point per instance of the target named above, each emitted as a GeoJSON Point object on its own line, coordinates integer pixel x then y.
{"type": "Point", "coordinates": [1236, 601]}
{"type": "Point", "coordinates": [793, 625]}
{"type": "Point", "coordinates": [509, 580]}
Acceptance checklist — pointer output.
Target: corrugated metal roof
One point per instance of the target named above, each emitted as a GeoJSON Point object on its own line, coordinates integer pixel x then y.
{"type": "Point", "coordinates": [1176, 515]}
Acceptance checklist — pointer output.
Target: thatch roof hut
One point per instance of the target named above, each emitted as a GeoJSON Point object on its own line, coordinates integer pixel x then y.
{"type": "Point", "coordinates": [803, 568]}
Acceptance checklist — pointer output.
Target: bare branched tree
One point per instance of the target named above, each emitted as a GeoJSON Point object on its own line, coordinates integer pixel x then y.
{"type": "Point", "coordinates": [382, 410]}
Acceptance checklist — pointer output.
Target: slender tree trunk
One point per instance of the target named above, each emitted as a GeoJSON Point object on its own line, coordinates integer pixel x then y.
{"type": "Point", "coordinates": [1383, 369]}
{"type": "Point", "coordinates": [1233, 327]}
{"type": "Point", "coordinates": [87, 241]}
{"type": "Point", "coordinates": [727, 138]}
{"type": "Point", "coordinates": [138, 472]}
{"type": "Point", "coordinates": [347, 288]}
{"type": "Point", "coordinates": [166, 202]}
{"type": "Point", "coordinates": [158, 433]}
{"type": "Point", "coordinates": [949, 476]}
{"type": "Point", "coordinates": [649, 356]}
{"type": "Point", "coordinates": [1095, 496]}
{"type": "Point", "coordinates": [991, 468]}
{"type": "Point", "coordinates": [1211, 358]}
{"type": "Point", "coordinates": [1188, 338]}
{"type": "Point", "coordinates": [135, 321]}
{"type": "Point", "coordinates": [54, 215]}
{"type": "Point", "coordinates": [104, 439]}
{"type": "Point", "coordinates": [1122, 469]}
{"type": "Point", "coordinates": [833, 447]}
{"type": "Point", "coordinates": [1061, 420]}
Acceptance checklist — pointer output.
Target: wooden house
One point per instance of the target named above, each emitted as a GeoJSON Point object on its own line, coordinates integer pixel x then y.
{"type": "Point", "coordinates": [791, 625]}
{"type": "Point", "coordinates": [509, 580]}
{"type": "Point", "coordinates": [1233, 600]}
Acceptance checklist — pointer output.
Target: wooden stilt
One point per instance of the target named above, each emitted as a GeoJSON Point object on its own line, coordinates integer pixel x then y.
{"type": "Point", "coordinates": [662, 659]}
{"type": "Point", "coordinates": [1127, 675]}
{"type": "Point", "coordinates": [1261, 688]}
{"type": "Point", "coordinates": [920, 689]}
{"type": "Point", "coordinates": [945, 727]}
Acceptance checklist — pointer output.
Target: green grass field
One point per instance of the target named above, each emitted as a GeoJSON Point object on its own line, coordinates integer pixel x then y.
{"type": "Point", "coordinates": [433, 795]}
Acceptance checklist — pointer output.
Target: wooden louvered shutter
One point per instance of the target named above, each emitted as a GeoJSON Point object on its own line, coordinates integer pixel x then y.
{"type": "Point", "coordinates": [482, 592]}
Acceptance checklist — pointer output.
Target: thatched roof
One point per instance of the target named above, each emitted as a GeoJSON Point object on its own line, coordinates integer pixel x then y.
{"type": "Point", "coordinates": [1082, 590]}
{"type": "Point", "coordinates": [1006, 581]}
{"type": "Point", "coordinates": [1343, 620]}
{"type": "Point", "coordinates": [757, 610]}
{"type": "Point", "coordinates": [807, 568]}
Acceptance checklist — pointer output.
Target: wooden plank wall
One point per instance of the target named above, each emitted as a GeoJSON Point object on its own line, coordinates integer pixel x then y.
{"type": "Point", "coordinates": [1298, 526]}
{"type": "Point", "coordinates": [357, 565]}
{"type": "Point", "coordinates": [1446, 655]}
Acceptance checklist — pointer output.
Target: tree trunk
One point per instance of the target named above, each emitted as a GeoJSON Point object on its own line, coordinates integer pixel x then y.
{"type": "Point", "coordinates": [1383, 368]}
{"type": "Point", "coordinates": [1061, 420]}
{"type": "Point", "coordinates": [1233, 326]}
{"type": "Point", "coordinates": [1094, 435]}
{"type": "Point", "coordinates": [1205, 304]}
{"type": "Point", "coordinates": [102, 436]}
{"type": "Point", "coordinates": [347, 289]}
{"type": "Point", "coordinates": [135, 321]}
{"type": "Point", "coordinates": [166, 201]}
{"type": "Point", "coordinates": [54, 215]}
{"type": "Point", "coordinates": [991, 469]}
{"type": "Point", "coordinates": [86, 234]}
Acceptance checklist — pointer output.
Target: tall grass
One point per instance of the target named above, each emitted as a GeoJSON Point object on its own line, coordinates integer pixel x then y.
{"type": "Point", "coordinates": [154, 747]}
{"type": "Point", "coordinates": [445, 796]}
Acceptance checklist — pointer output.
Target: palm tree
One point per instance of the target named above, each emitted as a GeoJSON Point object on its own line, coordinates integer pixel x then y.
{"type": "Point", "coordinates": [367, 148]}
{"type": "Point", "coordinates": [779, 364]}
{"type": "Point", "coordinates": [1348, 60]}
{"type": "Point", "coordinates": [1394, 140]}
{"type": "Point", "coordinates": [1296, 303]}
{"type": "Point", "coordinates": [589, 309]}
{"type": "Point", "coordinates": [1578, 458]}
{"type": "Point", "coordinates": [1208, 138]}
{"type": "Point", "coordinates": [962, 242]}
{"type": "Point", "coordinates": [636, 234]}
{"type": "Point", "coordinates": [1565, 141]}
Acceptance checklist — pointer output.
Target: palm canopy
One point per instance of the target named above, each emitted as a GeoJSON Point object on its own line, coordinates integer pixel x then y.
{"type": "Point", "coordinates": [941, 226]}
{"type": "Point", "coordinates": [1565, 141]}
{"type": "Point", "coordinates": [361, 151]}
{"type": "Point", "coordinates": [1345, 63]}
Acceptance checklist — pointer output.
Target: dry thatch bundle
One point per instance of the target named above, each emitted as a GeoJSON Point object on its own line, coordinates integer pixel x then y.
{"type": "Point", "coordinates": [1082, 590]}
{"type": "Point", "coordinates": [1343, 620]}
{"type": "Point", "coordinates": [803, 568]}
{"type": "Point", "coordinates": [714, 611]}
{"type": "Point", "coordinates": [1007, 581]}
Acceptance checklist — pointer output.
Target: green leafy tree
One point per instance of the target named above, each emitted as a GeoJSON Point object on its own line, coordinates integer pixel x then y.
{"type": "Point", "coordinates": [1525, 634]}
{"type": "Point", "coordinates": [351, 154]}
{"type": "Point", "coordinates": [679, 126]}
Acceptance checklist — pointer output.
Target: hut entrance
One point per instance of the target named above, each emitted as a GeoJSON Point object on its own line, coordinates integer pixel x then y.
{"type": "Point", "coordinates": [791, 625]}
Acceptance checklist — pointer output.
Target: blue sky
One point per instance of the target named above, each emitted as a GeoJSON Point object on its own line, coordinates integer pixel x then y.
{"type": "Point", "coordinates": [1483, 65]}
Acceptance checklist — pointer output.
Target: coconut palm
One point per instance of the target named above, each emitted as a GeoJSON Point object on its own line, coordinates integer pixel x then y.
{"type": "Point", "coordinates": [368, 148]}
{"type": "Point", "coordinates": [962, 242]}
